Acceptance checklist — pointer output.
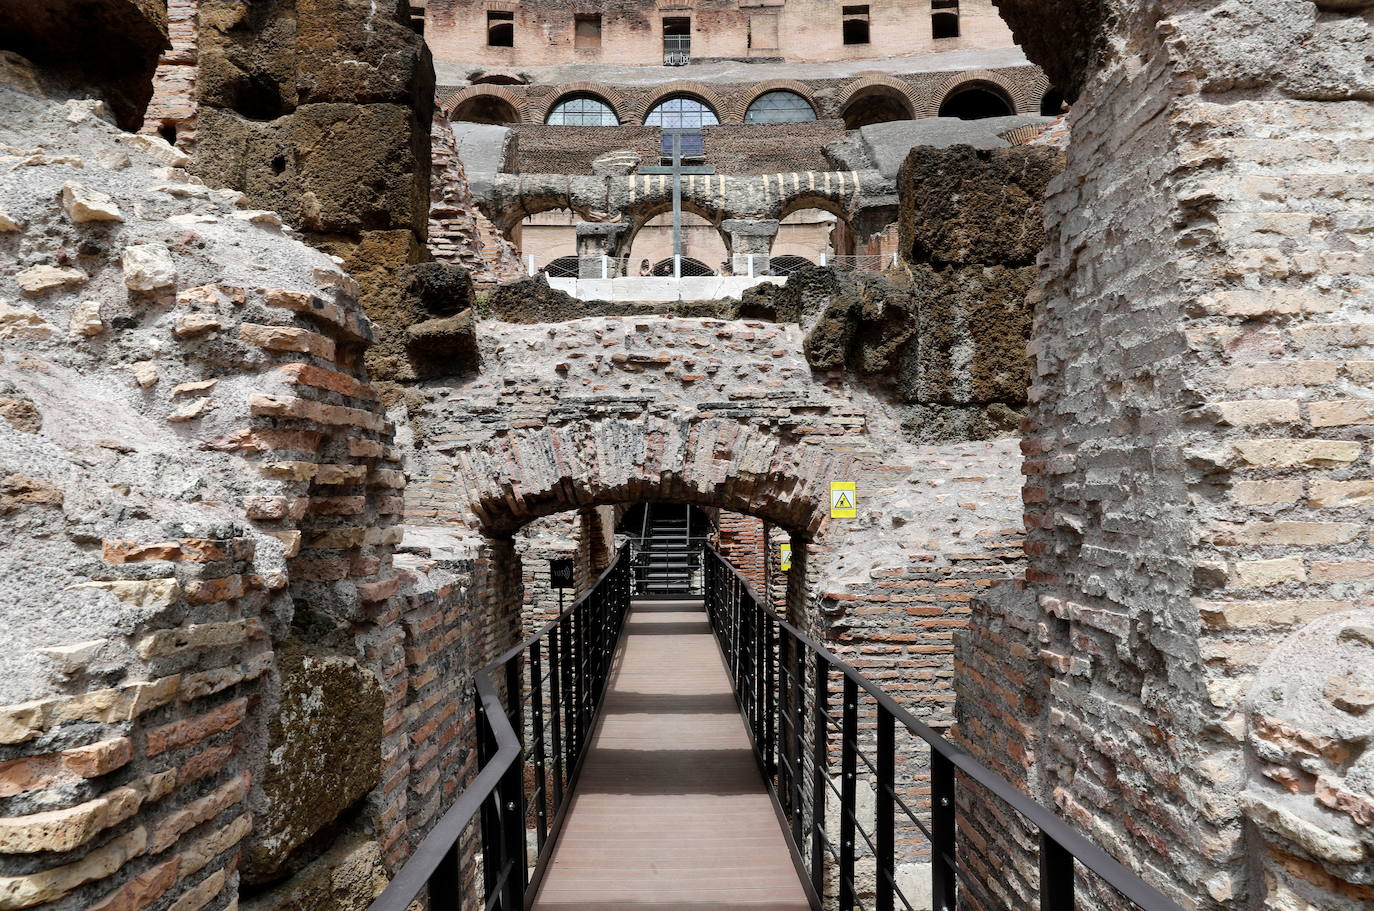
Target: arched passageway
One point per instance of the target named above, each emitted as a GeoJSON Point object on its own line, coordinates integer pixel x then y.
{"type": "Point", "coordinates": [977, 101]}
{"type": "Point", "coordinates": [486, 108]}
{"type": "Point", "coordinates": [652, 241]}
{"type": "Point", "coordinates": [876, 104]}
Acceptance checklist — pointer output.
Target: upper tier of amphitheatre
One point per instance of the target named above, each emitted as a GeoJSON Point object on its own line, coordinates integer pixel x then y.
{"type": "Point", "coordinates": [456, 72]}
{"type": "Point", "coordinates": [289, 452]}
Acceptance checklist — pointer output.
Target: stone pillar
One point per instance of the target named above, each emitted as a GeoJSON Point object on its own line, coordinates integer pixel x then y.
{"type": "Point", "coordinates": [595, 240]}
{"type": "Point", "coordinates": [750, 236]}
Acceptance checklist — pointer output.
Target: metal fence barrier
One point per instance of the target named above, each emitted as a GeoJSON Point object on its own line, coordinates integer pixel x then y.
{"type": "Point", "coordinates": [536, 705]}
{"type": "Point", "coordinates": [751, 265]}
{"type": "Point", "coordinates": [783, 681]}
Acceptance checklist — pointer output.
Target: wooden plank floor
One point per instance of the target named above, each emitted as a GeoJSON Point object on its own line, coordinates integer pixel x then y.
{"type": "Point", "coordinates": [671, 811]}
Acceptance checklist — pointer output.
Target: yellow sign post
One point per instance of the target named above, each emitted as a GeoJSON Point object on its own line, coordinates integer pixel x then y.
{"type": "Point", "coordinates": [784, 557]}
{"type": "Point", "coordinates": [844, 503]}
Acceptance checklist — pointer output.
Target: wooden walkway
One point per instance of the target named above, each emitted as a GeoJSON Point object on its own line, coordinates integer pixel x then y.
{"type": "Point", "coordinates": [671, 811]}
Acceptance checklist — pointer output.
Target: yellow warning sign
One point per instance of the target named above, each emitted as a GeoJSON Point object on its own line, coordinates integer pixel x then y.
{"type": "Point", "coordinates": [784, 557]}
{"type": "Point", "coordinates": [844, 503]}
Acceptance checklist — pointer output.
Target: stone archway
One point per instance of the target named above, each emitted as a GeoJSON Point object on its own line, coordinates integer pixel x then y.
{"type": "Point", "coordinates": [726, 415]}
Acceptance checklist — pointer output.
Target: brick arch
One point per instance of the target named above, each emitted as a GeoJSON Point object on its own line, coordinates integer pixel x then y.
{"type": "Point", "coordinates": [681, 87]}
{"type": "Point", "coordinates": [527, 474]}
{"type": "Point", "coordinates": [612, 96]}
{"type": "Point", "coordinates": [505, 93]}
{"type": "Point", "coordinates": [877, 81]}
{"type": "Point", "coordinates": [956, 82]}
{"type": "Point", "coordinates": [534, 204]}
{"type": "Point", "coordinates": [739, 102]}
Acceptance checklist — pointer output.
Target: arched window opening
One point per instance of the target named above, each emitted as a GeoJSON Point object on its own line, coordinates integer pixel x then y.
{"type": "Point", "coordinates": [500, 28]}
{"type": "Point", "coordinates": [944, 24]}
{"type": "Point", "coordinates": [1052, 105]}
{"type": "Point", "coordinates": [976, 103]}
{"type": "Point", "coordinates": [582, 111]}
{"type": "Point", "coordinates": [563, 267]}
{"type": "Point", "coordinates": [691, 268]}
{"type": "Point", "coordinates": [487, 109]}
{"type": "Point", "coordinates": [879, 106]}
{"type": "Point", "coordinates": [683, 112]}
{"type": "Point", "coordinates": [779, 107]}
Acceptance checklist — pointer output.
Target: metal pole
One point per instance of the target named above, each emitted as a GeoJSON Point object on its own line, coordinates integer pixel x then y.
{"type": "Point", "coordinates": [531, 264]}
{"type": "Point", "coordinates": [677, 202]}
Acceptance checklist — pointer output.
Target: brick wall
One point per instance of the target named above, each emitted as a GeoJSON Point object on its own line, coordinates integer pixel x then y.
{"type": "Point", "coordinates": [571, 150]}
{"type": "Point", "coordinates": [1191, 451]}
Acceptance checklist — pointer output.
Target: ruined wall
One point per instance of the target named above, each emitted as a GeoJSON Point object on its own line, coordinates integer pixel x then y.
{"type": "Point", "coordinates": [970, 226]}
{"type": "Point", "coordinates": [728, 415]}
{"type": "Point", "coordinates": [218, 683]}
{"type": "Point", "coordinates": [320, 110]}
{"type": "Point", "coordinates": [459, 234]}
{"type": "Point", "coordinates": [1193, 454]}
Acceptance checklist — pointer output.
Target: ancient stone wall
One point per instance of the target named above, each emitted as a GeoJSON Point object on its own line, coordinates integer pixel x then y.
{"type": "Point", "coordinates": [726, 415]}
{"type": "Point", "coordinates": [459, 234]}
{"type": "Point", "coordinates": [218, 682]}
{"type": "Point", "coordinates": [320, 110]}
{"type": "Point", "coordinates": [171, 112]}
{"type": "Point", "coordinates": [970, 226]}
{"type": "Point", "coordinates": [919, 93]}
{"type": "Point", "coordinates": [1192, 461]}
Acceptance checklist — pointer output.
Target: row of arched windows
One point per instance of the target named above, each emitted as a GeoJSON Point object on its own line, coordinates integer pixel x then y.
{"type": "Point", "coordinates": [876, 104]}
{"type": "Point", "coordinates": [682, 111]}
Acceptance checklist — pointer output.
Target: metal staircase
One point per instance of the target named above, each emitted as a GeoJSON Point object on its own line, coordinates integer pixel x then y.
{"type": "Point", "coordinates": [666, 557]}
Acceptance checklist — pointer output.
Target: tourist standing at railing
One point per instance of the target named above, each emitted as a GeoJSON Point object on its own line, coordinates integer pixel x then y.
{"type": "Point", "coordinates": [645, 269]}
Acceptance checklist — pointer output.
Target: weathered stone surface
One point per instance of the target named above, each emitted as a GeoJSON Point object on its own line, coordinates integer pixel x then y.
{"type": "Point", "coordinates": [444, 347]}
{"type": "Point", "coordinates": [84, 204]}
{"type": "Point", "coordinates": [148, 267]}
{"type": "Point", "coordinates": [266, 60]}
{"type": "Point", "coordinates": [971, 344]}
{"type": "Point", "coordinates": [25, 322]}
{"type": "Point", "coordinates": [37, 279]}
{"type": "Point", "coordinates": [616, 164]}
{"type": "Point", "coordinates": [323, 755]}
{"type": "Point", "coordinates": [1067, 38]}
{"type": "Point", "coordinates": [442, 290]}
{"type": "Point", "coordinates": [114, 51]}
{"type": "Point", "coordinates": [347, 877]}
{"type": "Point", "coordinates": [328, 168]}
{"type": "Point", "coordinates": [965, 206]}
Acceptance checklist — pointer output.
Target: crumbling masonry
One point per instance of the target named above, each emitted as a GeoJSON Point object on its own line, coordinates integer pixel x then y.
{"type": "Point", "coordinates": [266, 466]}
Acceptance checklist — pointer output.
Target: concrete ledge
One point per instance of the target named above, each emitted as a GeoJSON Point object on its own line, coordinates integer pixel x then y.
{"type": "Point", "coordinates": [710, 287]}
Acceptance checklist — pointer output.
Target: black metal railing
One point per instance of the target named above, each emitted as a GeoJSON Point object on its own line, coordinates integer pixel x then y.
{"type": "Point", "coordinates": [784, 682]}
{"type": "Point", "coordinates": [535, 707]}
{"type": "Point", "coordinates": [666, 566]}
